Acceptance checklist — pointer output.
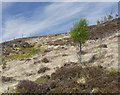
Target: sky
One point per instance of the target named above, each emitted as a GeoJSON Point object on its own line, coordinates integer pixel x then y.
{"type": "Point", "coordinates": [44, 18]}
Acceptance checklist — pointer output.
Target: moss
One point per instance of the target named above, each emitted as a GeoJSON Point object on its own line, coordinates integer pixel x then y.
{"type": "Point", "coordinates": [112, 69]}
{"type": "Point", "coordinates": [12, 91]}
{"type": "Point", "coordinates": [107, 71]}
{"type": "Point", "coordinates": [55, 91]}
{"type": "Point", "coordinates": [41, 80]}
{"type": "Point", "coordinates": [102, 69]}
{"type": "Point", "coordinates": [17, 92]}
{"type": "Point", "coordinates": [1, 59]}
{"type": "Point", "coordinates": [55, 49]}
{"type": "Point", "coordinates": [28, 52]}
{"type": "Point", "coordinates": [39, 45]}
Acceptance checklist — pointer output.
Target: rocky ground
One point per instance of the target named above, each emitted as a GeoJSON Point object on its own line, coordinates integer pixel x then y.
{"type": "Point", "coordinates": [50, 63]}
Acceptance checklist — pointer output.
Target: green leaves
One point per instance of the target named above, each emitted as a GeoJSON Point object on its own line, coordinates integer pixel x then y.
{"type": "Point", "coordinates": [110, 17]}
{"type": "Point", "coordinates": [79, 31]}
{"type": "Point", "coordinates": [116, 15]}
{"type": "Point", "coordinates": [3, 65]}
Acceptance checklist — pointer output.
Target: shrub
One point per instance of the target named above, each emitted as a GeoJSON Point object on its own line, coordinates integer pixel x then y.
{"type": "Point", "coordinates": [7, 79]}
{"type": "Point", "coordinates": [45, 60]}
{"type": "Point", "coordinates": [33, 51]}
{"type": "Point", "coordinates": [27, 86]}
{"type": "Point", "coordinates": [98, 22]}
{"type": "Point", "coordinates": [64, 80]}
{"type": "Point", "coordinates": [3, 65]}
{"type": "Point", "coordinates": [109, 17]}
{"type": "Point", "coordinates": [105, 19]}
{"type": "Point", "coordinates": [42, 70]}
{"type": "Point", "coordinates": [53, 84]}
{"type": "Point", "coordinates": [117, 15]}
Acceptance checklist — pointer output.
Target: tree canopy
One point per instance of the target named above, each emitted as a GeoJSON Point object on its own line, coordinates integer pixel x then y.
{"type": "Point", "coordinates": [79, 31]}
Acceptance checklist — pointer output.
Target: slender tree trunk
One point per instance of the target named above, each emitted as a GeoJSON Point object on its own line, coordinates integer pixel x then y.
{"type": "Point", "coordinates": [80, 53]}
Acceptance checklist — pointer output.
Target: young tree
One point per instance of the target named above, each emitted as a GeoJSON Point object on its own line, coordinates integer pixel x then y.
{"type": "Point", "coordinates": [110, 17]}
{"type": "Point", "coordinates": [102, 21]}
{"type": "Point", "coordinates": [116, 15]}
{"type": "Point", "coordinates": [98, 22]}
{"type": "Point", "coordinates": [79, 33]}
{"type": "Point", "coordinates": [112, 11]}
{"type": "Point", "coordinates": [105, 19]}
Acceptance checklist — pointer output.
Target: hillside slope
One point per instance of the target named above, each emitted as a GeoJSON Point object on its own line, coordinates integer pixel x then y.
{"type": "Point", "coordinates": [31, 58]}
